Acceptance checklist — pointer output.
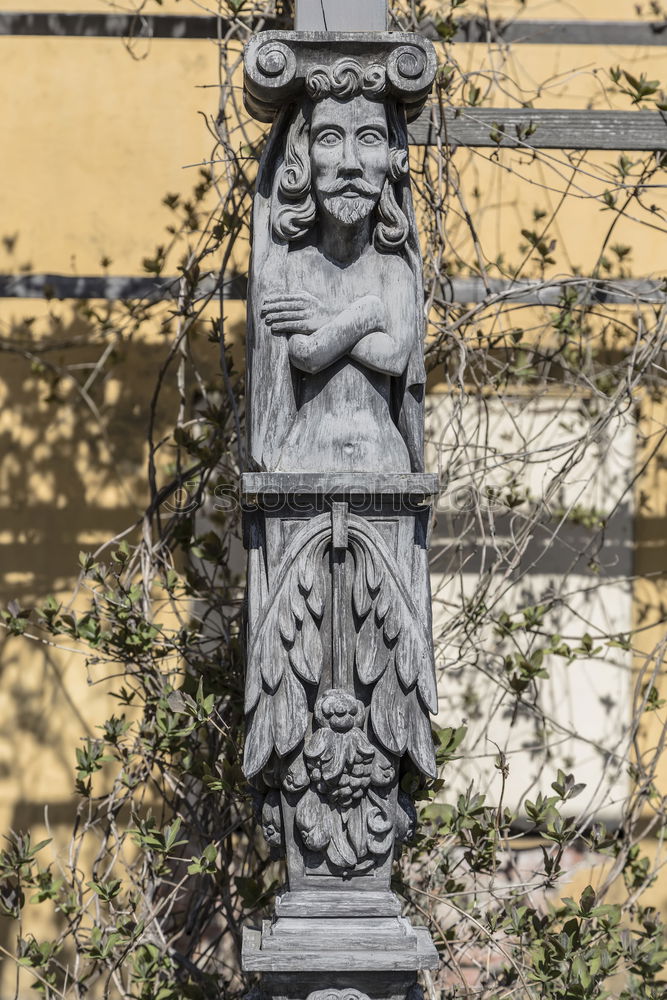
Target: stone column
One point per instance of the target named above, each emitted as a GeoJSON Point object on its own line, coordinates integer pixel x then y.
{"type": "Point", "coordinates": [340, 673]}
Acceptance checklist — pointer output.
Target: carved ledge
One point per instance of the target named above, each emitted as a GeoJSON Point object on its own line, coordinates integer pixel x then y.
{"type": "Point", "coordinates": [257, 487]}
{"type": "Point", "coordinates": [277, 65]}
{"type": "Point", "coordinates": [307, 947]}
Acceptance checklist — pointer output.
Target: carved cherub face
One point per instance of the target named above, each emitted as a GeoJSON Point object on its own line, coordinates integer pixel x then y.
{"type": "Point", "coordinates": [349, 156]}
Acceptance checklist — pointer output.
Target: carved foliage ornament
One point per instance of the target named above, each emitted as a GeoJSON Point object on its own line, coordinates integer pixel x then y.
{"type": "Point", "coordinates": [393, 653]}
{"type": "Point", "coordinates": [343, 812]}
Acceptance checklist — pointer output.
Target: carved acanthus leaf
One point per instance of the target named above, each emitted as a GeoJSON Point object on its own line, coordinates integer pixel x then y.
{"type": "Point", "coordinates": [406, 818]}
{"type": "Point", "coordinates": [290, 709]}
{"type": "Point", "coordinates": [393, 650]}
{"type": "Point", "coordinates": [370, 660]}
{"type": "Point", "coordinates": [259, 738]}
{"type": "Point", "coordinates": [287, 651]}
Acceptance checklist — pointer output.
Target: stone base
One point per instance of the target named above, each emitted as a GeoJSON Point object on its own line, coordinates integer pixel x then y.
{"type": "Point", "coordinates": [336, 944]}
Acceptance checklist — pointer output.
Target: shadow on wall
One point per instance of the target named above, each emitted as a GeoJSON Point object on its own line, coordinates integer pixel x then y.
{"type": "Point", "coordinates": [72, 446]}
{"type": "Point", "coordinates": [75, 406]}
{"type": "Point", "coordinates": [76, 393]}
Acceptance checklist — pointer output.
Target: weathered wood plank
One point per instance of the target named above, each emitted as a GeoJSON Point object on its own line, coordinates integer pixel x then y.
{"type": "Point", "coordinates": [105, 25]}
{"type": "Point", "coordinates": [97, 25]}
{"type": "Point", "coordinates": [550, 293]}
{"type": "Point", "coordinates": [257, 959]}
{"type": "Point", "coordinates": [473, 29]}
{"type": "Point", "coordinates": [328, 903]}
{"type": "Point", "coordinates": [533, 32]}
{"type": "Point", "coordinates": [544, 128]}
{"type": "Point", "coordinates": [63, 286]}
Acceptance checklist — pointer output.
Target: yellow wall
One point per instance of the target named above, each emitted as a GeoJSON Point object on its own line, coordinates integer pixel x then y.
{"type": "Point", "coordinates": [92, 139]}
{"type": "Point", "coordinates": [97, 139]}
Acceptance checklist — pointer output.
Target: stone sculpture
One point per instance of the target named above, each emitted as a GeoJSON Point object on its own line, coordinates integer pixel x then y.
{"type": "Point", "coordinates": [340, 233]}
{"type": "Point", "coordinates": [340, 673]}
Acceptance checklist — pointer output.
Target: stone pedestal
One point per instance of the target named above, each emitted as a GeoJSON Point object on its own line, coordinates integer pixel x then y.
{"type": "Point", "coordinates": [346, 554]}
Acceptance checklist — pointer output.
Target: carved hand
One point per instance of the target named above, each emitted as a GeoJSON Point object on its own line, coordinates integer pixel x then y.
{"type": "Point", "coordinates": [298, 312]}
{"type": "Point", "coordinates": [316, 349]}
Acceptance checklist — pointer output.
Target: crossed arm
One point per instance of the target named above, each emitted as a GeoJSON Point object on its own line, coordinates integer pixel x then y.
{"type": "Point", "coordinates": [317, 338]}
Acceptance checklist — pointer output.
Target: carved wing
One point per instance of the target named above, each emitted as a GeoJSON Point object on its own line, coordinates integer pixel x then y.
{"type": "Point", "coordinates": [393, 651]}
{"type": "Point", "coordinates": [286, 652]}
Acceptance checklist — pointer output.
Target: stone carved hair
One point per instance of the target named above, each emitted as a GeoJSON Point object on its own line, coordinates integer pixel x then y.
{"type": "Point", "coordinates": [344, 80]}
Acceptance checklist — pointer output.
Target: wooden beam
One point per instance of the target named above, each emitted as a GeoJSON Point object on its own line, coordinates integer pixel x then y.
{"type": "Point", "coordinates": [621, 291]}
{"type": "Point", "coordinates": [530, 32]}
{"type": "Point", "coordinates": [63, 286]}
{"type": "Point", "coordinates": [584, 291]}
{"type": "Point", "coordinates": [173, 26]}
{"type": "Point", "coordinates": [473, 29]}
{"type": "Point", "coordinates": [530, 128]}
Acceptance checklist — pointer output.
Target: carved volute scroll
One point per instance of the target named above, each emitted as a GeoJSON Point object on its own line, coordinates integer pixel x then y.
{"type": "Point", "coordinates": [277, 65]}
{"type": "Point", "coordinates": [340, 677]}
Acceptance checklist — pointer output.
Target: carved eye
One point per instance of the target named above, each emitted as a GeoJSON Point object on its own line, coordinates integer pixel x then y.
{"type": "Point", "coordinates": [329, 138]}
{"type": "Point", "coordinates": [371, 137]}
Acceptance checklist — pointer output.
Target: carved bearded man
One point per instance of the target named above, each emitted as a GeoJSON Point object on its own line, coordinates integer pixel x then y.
{"type": "Point", "coordinates": [336, 374]}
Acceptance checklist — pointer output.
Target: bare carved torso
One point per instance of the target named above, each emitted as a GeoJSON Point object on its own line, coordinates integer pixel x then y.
{"type": "Point", "coordinates": [361, 339]}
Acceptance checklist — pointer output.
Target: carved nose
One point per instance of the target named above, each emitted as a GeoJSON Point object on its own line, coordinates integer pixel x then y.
{"type": "Point", "coordinates": [349, 163]}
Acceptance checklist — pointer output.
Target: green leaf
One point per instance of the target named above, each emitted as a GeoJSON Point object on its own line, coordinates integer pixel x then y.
{"type": "Point", "coordinates": [171, 835]}
{"type": "Point", "coordinates": [587, 899]}
{"type": "Point", "coordinates": [106, 890]}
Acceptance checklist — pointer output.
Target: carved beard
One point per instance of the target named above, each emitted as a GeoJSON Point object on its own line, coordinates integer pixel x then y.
{"type": "Point", "coordinates": [349, 210]}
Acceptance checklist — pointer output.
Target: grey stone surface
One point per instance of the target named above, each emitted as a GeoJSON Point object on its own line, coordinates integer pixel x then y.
{"type": "Point", "coordinates": [341, 15]}
{"type": "Point", "coordinates": [340, 675]}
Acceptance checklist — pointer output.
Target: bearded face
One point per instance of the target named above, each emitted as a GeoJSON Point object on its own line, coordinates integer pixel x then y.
{"type": "Point", "coordinates": [350, 204]}
{"type": "Point", "coordinates": [349, 157]}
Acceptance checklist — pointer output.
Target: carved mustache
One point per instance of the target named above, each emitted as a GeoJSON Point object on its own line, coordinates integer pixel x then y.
{"type": "Point", "coordinates": [356, 186]}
